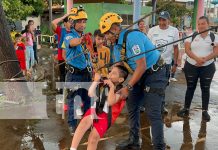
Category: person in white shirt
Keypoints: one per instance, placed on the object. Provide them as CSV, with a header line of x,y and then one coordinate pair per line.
x,y
163,34
201,51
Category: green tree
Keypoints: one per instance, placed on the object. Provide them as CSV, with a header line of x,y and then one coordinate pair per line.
x,y
177,11
38,5
16,10
20,9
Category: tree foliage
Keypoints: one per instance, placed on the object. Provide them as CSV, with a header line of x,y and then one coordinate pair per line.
x,y
177,11
20,9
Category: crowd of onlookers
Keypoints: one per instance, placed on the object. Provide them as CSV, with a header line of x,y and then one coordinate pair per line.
x,y
25,44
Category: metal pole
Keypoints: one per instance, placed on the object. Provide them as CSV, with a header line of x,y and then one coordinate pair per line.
x,y
194,16
50,14
65,6
136,11
154,4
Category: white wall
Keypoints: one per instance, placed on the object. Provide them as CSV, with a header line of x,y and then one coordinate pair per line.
x,y
37,21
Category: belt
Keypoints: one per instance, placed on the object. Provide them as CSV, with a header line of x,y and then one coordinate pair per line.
x,y
158,66
75,70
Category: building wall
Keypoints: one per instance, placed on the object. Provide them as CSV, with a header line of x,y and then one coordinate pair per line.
x,y
96,10
37,21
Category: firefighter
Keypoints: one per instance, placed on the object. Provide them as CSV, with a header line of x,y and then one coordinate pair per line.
x,y
78,68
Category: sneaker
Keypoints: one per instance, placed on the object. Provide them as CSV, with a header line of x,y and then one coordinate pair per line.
x,y
205,116
173,79
72,130
183,113
164,111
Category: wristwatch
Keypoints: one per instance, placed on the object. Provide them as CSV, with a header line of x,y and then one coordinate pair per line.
x,y
130,88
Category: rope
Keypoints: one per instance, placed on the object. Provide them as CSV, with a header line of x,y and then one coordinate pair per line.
x,y
13,77
1,63
182,39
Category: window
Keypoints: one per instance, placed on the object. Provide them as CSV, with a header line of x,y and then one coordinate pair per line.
x,y
127,19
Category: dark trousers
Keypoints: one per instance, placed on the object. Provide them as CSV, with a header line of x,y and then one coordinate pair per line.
x,y
62,70
192,73
35,51
168,71
152,102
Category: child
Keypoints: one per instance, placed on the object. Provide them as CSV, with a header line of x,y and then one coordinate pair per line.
x,y
103,54
20,52
28,37
105,116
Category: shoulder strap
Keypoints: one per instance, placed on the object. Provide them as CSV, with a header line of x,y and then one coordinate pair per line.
x,y
212,37
126,34
101,99
100,104
123,51
194,35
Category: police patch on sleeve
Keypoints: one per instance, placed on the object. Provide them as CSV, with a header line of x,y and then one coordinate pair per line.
x,y
136,49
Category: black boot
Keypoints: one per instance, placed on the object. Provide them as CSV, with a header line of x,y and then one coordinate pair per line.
x,y
183,113
130,144
205,116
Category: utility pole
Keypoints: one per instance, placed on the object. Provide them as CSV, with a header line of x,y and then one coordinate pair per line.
x,y
194,16
136,11
154,4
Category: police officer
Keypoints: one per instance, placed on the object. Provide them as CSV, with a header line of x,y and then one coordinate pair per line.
x,y
146,85
78,68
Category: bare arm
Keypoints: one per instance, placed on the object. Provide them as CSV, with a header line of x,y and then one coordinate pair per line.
x,y
213,55
56,21
92,89
75,42
112,96
140,69
176,55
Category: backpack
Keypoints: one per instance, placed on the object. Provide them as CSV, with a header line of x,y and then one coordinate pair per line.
x,y
212,36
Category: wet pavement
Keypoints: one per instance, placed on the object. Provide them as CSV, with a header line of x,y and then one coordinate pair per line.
x,y
184,134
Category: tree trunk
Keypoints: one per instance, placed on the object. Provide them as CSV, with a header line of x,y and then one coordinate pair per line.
x,y
7,52
9,63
